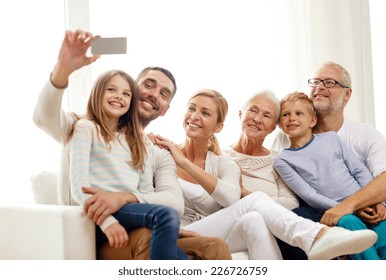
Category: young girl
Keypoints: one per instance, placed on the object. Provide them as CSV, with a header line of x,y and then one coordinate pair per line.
x,y
108,150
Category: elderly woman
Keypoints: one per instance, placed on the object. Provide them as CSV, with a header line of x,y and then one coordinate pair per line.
x,y
259,116
211,186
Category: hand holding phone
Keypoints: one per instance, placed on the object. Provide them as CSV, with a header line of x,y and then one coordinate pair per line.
x,y
114,45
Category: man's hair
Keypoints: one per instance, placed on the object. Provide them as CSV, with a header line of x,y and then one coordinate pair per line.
x,y
163,70
346,78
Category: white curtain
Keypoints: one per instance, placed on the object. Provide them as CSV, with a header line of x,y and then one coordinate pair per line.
x,y
339,31
236,47
291,39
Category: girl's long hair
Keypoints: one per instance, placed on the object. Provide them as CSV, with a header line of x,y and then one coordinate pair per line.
x,y
128,124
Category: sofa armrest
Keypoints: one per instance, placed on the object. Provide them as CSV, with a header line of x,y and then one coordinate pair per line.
x,y
33,231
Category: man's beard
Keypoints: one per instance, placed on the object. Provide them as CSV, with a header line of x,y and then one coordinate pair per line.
x,y
328,107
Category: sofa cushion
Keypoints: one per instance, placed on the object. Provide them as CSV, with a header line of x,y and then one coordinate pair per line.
x,y
44,188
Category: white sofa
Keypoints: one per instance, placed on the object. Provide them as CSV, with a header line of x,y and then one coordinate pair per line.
x,y
46,230
36,231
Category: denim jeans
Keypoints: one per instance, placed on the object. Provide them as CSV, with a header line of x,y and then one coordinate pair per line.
x,y
164,223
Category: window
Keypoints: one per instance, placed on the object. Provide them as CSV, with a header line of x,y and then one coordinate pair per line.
x,y
378,40
31,39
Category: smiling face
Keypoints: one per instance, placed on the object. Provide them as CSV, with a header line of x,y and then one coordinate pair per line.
x,y
201,119
330,100
155,94
258,118
296,118
116,98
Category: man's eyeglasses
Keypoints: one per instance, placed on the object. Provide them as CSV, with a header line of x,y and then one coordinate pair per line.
x,y
328,83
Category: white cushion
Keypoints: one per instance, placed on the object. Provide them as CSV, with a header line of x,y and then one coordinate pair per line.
x,y
243,255
44,188
36,231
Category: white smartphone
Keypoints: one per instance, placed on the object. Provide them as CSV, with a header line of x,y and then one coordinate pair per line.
x,y
114,45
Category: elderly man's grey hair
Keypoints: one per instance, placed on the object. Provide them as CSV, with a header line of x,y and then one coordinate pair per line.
x,y
346,78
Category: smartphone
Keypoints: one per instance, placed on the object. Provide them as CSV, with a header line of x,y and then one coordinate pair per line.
x,y
114,45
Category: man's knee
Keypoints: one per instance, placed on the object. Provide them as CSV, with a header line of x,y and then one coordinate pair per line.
x,y
138,248
205,248
217,249
351,222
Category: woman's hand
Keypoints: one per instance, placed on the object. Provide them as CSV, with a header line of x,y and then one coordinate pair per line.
x,y
152,137
174,149
244,192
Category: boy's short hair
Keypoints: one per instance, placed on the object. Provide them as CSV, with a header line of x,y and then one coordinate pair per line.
x,y
302,97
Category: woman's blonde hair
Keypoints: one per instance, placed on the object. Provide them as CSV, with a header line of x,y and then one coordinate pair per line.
x,y
222,111
128,124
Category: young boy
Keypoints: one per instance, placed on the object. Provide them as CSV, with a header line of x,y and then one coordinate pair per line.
x,y
323,171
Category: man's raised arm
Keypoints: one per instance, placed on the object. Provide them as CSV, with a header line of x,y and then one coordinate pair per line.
x,y
48,114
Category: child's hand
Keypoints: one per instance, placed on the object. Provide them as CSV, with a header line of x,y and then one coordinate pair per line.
x,y
372,214
367,214
117,236
381,211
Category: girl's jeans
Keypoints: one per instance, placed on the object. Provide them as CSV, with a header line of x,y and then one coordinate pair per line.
x,y
164,223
